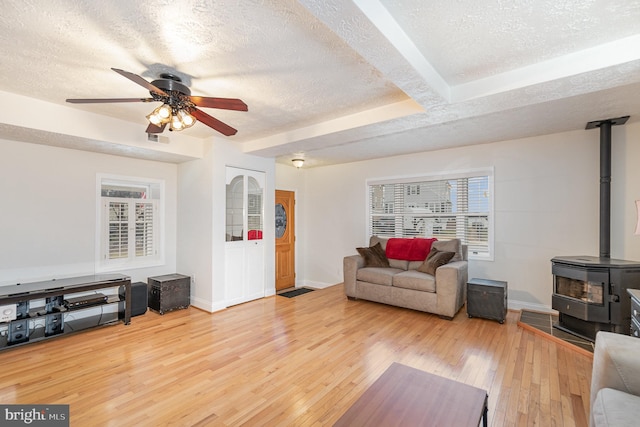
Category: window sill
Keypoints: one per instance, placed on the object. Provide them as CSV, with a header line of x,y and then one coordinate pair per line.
x,y
128,266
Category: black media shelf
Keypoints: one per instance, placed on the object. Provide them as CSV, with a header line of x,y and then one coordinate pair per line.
x,y
40,311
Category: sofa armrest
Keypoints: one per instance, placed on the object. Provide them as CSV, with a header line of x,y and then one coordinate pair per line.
x,y
351,264
451,287
615,364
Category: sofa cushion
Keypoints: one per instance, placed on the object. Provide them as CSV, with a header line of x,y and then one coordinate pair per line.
x,y
402,264
374,256
435,259
615,408
415,280
379,276
413,265
453,245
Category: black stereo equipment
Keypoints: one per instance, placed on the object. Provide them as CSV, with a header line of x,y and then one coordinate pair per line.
x,y
85,301
138,299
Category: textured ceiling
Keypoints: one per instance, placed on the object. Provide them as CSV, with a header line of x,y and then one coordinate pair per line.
x,y
332,81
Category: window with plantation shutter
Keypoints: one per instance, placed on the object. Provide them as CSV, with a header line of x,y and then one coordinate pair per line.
x,y
457,205
129,233
118,229
144,229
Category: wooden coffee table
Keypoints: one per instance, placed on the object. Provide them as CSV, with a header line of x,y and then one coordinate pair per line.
x,y
405,396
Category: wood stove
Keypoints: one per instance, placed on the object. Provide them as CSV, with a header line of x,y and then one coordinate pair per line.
x,y
590,293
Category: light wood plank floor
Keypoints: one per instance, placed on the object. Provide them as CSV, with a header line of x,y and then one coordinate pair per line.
x,y
290,362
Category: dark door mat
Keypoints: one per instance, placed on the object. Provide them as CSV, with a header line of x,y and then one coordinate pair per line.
x,y
295,292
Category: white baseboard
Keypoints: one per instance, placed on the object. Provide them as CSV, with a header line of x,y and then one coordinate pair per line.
x,y
206,305
315,285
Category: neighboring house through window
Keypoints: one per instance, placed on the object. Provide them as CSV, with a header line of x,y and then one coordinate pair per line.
x,y
454,205
130,218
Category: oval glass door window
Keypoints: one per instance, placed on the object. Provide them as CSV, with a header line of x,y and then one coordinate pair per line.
x,y
281,220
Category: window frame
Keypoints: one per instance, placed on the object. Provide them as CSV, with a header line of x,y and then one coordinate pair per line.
x,y
155,196
445,176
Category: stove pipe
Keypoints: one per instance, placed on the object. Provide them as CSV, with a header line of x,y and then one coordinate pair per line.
x,y
605,190
605,180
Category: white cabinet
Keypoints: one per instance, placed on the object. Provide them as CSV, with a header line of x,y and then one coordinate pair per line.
x,y
244,246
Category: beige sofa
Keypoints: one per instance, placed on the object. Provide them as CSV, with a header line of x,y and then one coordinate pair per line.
x,y
615,381
403,285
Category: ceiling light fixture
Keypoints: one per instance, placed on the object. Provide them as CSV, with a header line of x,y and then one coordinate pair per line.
x,y
176,107
176,115
298,163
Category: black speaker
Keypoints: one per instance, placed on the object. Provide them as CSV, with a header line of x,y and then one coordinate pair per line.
x,y
18,331
54,324
138,299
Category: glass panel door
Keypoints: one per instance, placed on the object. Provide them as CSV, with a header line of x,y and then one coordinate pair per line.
x,y
235,209
254,210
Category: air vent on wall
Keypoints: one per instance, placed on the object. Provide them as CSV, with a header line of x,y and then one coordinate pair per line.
x,y
154,137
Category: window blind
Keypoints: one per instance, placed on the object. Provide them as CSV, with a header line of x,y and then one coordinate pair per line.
x,y
144,229
455,207
118,239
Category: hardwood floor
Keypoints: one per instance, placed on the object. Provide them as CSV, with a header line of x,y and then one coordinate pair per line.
x,y
290,361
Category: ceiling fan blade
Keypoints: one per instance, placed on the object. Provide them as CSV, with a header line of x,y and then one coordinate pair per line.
x,y
222,103
139,80
213,123
100,100
155,129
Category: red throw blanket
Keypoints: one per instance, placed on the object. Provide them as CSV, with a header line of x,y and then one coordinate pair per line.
x,y
409,249
254,235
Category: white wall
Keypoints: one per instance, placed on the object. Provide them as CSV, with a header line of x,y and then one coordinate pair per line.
x,y
201,245
546,204
48,210
195,212
625,190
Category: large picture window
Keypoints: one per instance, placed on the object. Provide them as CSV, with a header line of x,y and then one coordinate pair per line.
x,y
130,232
458,205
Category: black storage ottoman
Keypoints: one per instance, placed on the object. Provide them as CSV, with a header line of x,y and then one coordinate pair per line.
x,y
169,292
487,299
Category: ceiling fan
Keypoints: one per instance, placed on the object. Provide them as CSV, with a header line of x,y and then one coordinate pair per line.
x,y
179,109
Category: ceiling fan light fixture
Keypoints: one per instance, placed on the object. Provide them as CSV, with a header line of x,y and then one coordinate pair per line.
x,y
298,163
164,111
154,118
187,119
176,123
160,115
178,106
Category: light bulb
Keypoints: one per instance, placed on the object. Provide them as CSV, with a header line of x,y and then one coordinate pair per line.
x,y
187,119
154,119
176,123
164,111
